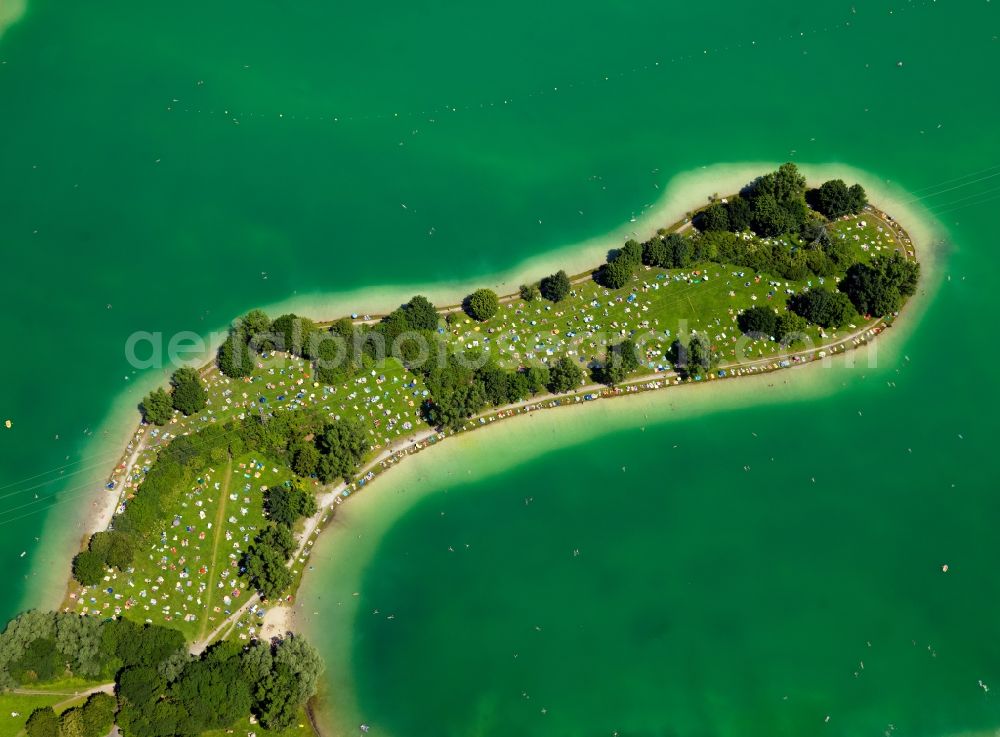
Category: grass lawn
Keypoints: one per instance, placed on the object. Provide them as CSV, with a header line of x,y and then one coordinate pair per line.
x,y
190,579
22,705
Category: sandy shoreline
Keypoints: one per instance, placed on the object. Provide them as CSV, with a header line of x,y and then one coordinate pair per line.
x,y
11,11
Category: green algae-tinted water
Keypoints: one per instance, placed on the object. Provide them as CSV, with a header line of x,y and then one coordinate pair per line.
x,y
164,158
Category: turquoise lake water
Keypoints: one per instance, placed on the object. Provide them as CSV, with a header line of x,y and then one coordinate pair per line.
x,y
164,167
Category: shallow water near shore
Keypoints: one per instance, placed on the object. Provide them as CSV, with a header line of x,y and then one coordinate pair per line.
x,y
168,166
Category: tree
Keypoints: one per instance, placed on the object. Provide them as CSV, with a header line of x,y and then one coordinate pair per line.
x,y
157,408
482,304
421,314
452,405
529,292
255,323
98,714
555,288
679,251
19,634
286,506
713,217
615,274
293,333
43,722
493,379
790,328
835,199
621,360
140,685
189,394
859,198
305,459
827,309
115,548
282,679
212,691
564,376
630,253
739,213
78,640
878,288
40,661
656,253
88,568
233,358
832,199
537,378
757,322
343,444
266,571
768,218
140,645
279,538
789,184
701,358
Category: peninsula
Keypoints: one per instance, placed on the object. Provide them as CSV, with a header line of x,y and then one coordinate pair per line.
x,y
171,624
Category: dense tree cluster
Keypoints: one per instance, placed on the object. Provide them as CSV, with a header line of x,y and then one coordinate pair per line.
x,y
529,292
465,383
162,691
835,199
42,646
93,718
878,288
482,304
824,308
556,287
771,205
673,251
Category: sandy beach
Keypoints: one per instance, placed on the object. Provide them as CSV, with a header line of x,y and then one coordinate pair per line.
x,y
11,11
277,621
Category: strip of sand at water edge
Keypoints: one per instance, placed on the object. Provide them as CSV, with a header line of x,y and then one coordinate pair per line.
x,y
11,11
